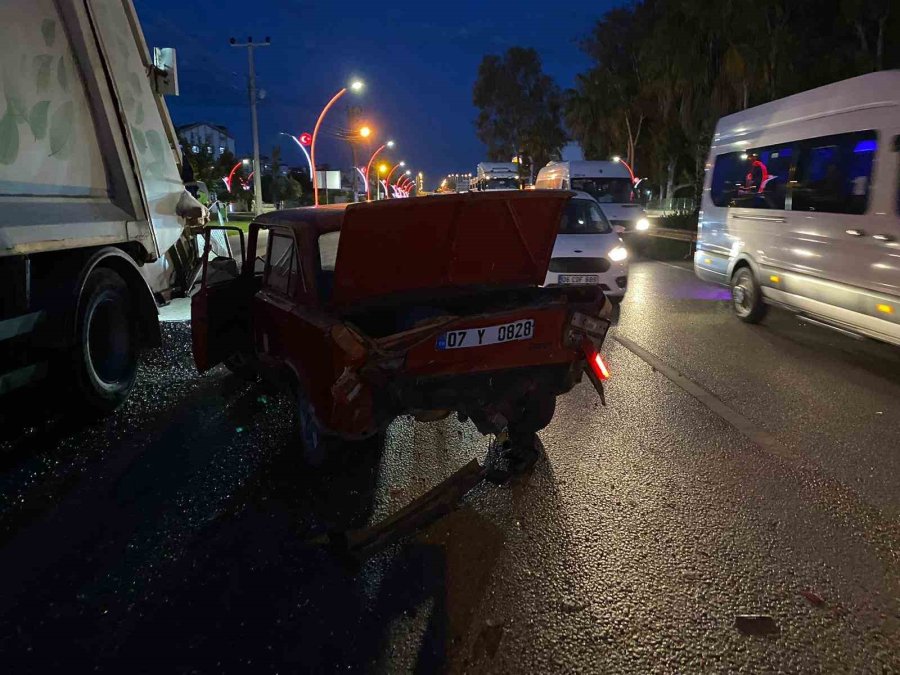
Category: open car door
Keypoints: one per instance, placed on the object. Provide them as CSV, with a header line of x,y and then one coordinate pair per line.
x,y
220,310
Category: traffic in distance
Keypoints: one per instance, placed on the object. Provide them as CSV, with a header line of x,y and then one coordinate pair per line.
x,y
322,416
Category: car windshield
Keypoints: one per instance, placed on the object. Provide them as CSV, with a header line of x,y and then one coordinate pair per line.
x,y
605,190
502,184
583,216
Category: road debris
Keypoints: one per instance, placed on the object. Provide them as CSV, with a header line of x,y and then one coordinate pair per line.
x,y
813,597
756,624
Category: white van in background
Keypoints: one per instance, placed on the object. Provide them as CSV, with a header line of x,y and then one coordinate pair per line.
x,y
801,206
607,182
495,176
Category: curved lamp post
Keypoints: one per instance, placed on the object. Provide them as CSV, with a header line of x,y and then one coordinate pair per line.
x,y
625,164
405,180
355,86
391,173
303,148
227,180
389,144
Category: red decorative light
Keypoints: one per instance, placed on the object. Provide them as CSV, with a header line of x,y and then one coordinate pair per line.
x,y
305,138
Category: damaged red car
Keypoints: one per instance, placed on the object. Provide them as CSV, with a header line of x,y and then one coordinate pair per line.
x,y
426,306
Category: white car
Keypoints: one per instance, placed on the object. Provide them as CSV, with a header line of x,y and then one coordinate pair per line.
x,y
588,250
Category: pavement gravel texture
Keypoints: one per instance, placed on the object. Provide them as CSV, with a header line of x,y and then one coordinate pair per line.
x,y
177,534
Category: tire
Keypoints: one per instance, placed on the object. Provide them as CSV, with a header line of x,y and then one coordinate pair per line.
x,y
106,343
313,440
537,413
746,297
241,367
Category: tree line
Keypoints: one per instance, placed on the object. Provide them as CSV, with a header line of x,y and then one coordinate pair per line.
x,y
276,187
664,71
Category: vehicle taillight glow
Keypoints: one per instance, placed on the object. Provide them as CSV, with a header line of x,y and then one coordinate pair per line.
x,y
598,365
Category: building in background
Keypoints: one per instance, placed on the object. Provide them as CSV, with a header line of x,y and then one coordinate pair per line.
x,y
420,182
209,135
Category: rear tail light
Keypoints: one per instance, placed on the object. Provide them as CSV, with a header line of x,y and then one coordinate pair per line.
x,y
596,368
599,367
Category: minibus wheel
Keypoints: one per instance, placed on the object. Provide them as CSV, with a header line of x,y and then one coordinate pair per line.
x,y
746,296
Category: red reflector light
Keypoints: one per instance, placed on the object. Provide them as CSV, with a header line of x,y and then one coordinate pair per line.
x,y
598,365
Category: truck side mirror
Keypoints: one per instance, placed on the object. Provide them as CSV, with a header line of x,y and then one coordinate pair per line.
x,y
164,77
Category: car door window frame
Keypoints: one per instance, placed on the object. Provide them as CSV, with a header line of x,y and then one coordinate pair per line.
x,y
296,281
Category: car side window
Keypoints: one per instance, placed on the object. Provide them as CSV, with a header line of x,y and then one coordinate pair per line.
x,y
283,272
834,173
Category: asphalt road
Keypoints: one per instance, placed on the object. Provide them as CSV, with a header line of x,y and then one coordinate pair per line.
x,y
753,472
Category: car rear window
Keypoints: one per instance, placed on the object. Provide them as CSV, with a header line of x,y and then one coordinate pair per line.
x,y
328,248
583,217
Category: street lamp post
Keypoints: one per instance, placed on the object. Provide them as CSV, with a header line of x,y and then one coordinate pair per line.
x,y
389,144
302,147
250,45
355,86
230,176
391,173
625,164
382,169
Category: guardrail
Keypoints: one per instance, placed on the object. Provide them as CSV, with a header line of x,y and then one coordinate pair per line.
x,y
673,205
670,233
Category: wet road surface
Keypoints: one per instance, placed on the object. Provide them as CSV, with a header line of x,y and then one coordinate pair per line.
x,y
175,535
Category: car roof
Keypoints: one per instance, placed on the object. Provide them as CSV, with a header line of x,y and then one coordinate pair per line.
x,y
319,219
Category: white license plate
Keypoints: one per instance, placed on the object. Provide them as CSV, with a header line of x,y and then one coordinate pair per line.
x,y
489,335
579,278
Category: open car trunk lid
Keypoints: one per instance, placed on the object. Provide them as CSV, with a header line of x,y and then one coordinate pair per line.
x,y
435,245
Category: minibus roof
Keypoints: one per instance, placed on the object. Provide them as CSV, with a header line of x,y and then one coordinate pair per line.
x,y
881,89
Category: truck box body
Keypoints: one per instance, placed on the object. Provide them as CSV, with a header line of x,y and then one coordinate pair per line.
x,y
89,174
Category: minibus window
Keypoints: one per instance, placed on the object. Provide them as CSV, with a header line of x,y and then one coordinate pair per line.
x,y
897,150
754,179
834,173
606,190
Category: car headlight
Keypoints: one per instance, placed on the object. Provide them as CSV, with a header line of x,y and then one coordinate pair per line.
x,y
618,254
642,225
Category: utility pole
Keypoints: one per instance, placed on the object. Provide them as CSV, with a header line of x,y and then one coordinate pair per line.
x,y
257,175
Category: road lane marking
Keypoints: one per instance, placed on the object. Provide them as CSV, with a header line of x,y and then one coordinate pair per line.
x,y
763,439
676,267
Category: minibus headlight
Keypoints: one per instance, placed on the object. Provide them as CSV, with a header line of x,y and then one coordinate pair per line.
x,y
642,225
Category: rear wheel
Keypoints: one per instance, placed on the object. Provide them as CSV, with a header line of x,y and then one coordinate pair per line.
x,y
538,410
240,365
314,442
106,342
746,296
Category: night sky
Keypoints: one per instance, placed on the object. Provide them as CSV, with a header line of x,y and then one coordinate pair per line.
x,y
418,60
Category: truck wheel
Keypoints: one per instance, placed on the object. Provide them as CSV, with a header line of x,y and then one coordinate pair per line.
x,y
746,296
537,413
241,367
313,440
106,342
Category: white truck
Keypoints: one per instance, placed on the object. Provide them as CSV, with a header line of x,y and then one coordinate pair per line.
x,y
95,223
496,176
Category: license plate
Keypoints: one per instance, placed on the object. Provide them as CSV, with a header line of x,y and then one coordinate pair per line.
x,y
579,278
522,329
